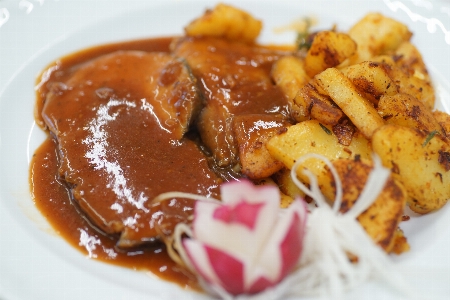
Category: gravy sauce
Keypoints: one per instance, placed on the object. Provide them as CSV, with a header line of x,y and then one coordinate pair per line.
x,y
55,172
54,198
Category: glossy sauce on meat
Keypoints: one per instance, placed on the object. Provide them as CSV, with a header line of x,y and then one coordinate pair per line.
x,y
110,141
119,121
52,199
235,79
73,166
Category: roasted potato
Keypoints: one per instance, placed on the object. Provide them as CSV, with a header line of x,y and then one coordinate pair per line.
x,y
375,35
382,218
409,83
405,110
371,79
419,161
286,184
289,74
328,49
314,137
358,109
226,21
252,132
444,120
409,58
314,105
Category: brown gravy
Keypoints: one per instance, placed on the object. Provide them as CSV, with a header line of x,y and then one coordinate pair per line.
x,y
62,68
52,197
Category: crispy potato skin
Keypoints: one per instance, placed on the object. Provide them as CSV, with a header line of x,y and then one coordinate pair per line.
x,y
227,22
314,105
314,137
421,165
358,109
328,49
375,35
443,119
289,74
382,218
405,110
252,133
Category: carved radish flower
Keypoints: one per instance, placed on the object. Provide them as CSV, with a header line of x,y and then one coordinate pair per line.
x,y
245,243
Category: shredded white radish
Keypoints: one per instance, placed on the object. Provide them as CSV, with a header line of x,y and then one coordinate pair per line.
x,y
332,239
171,195
325,268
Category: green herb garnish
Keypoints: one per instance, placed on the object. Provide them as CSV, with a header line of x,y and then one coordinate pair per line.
x,y
325,129
303,40
429,137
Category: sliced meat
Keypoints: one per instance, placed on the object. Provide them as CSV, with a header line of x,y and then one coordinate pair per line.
x,y
234,79
119,121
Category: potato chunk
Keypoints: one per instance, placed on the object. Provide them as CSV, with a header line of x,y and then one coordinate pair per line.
x,y
227,22
252,132
382,218
286,184
376,34
409,83
328,49
409,58
314,105
372,79
421,164
405,110
289,74
314,137
359,110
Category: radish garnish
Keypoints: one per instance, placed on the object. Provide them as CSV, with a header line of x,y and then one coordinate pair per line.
x,y
244,244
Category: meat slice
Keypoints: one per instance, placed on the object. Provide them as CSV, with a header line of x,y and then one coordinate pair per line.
x,y
119,121
234,78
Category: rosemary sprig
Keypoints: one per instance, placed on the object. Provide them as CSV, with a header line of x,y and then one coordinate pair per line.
x,y
325,129
429,137
303,41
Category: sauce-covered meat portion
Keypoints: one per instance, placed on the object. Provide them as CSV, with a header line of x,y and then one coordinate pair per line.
x,y
234,78
133,120
120,121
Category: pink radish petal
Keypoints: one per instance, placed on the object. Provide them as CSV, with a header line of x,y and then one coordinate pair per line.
x,y
243,213
291,247
260,285
245,244
228,269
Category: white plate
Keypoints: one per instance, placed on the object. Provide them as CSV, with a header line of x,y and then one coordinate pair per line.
x,y
37,264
